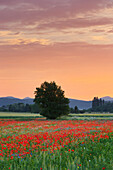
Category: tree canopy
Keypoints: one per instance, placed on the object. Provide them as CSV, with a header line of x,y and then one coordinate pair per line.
x,y
51,101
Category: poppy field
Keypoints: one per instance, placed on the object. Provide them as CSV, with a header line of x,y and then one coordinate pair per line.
x,y
56,145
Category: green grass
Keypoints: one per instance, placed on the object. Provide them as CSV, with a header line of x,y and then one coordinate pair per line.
x,y
89,116
92,114
19,116
85,116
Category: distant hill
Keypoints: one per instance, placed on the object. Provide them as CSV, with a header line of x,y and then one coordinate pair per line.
x,y
73,102
107,98
11,100
27,98
81,104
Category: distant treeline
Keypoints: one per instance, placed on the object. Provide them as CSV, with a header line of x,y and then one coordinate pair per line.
x,y
20,107
107,107
99,105
30,108
76,110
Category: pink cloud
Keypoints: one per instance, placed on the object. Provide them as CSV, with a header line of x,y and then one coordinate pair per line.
x,y
49,13
76,23
110,31
98,30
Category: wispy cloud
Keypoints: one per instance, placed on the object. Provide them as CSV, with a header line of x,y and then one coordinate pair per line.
x,y
48,12
51,21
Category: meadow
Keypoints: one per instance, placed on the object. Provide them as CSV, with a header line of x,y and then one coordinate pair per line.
x,y
56,144
20,116
85,116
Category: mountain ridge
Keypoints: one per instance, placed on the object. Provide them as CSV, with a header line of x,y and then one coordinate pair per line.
x,y
81,104
107,98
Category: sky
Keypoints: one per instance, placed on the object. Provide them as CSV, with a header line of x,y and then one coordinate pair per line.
x,y
66,41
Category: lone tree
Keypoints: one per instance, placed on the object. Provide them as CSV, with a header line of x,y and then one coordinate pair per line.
x,y
51,101
76,109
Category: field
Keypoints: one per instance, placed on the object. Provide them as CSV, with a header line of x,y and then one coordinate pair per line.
x,y
85,116
92,116
19,116
56,145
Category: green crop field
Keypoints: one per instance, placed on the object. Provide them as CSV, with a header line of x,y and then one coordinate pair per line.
x,y
88,116
91,116
17,114
12,115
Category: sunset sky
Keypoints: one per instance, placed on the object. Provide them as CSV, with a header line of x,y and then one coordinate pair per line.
x,y
66,41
